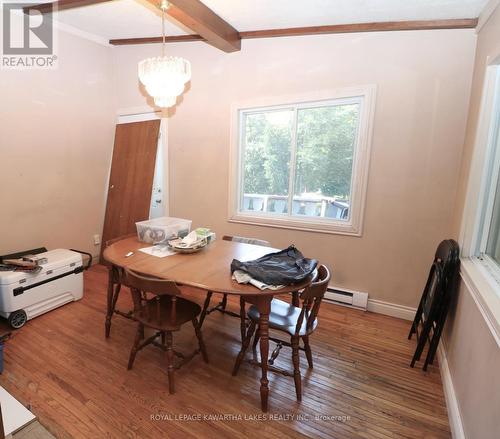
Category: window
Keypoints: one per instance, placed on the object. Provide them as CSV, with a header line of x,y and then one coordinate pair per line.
x,y
480,235
303,164
487,246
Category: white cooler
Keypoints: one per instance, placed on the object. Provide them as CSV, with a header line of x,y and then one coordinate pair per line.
x,y
24,296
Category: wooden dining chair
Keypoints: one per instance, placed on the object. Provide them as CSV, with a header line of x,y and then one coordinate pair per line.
x,y
164,313
298,322
221,306
115,275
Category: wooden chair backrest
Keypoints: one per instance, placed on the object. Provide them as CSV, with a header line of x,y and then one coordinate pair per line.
x,y
311,298
163,290
254,241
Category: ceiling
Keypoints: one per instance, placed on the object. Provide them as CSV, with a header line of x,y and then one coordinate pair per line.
x,y
138,18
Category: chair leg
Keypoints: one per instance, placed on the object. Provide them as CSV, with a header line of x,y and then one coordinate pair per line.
x,y
201,343
244,348
133,352
109,304
205,308
224,302
115,293
254,346
307,348
296,367
275,353
170,362
115,297
243,322
421,343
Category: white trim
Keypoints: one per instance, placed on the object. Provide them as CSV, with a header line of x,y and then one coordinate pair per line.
x,y
482,289
354,225
480,281
486,13
143,109
454,418
474,206
391,309
130,118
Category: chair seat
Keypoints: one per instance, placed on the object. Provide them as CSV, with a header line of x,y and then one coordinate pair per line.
x,y
185,312
283,317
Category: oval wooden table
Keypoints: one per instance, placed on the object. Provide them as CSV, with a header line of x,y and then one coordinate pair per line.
x,y
208,270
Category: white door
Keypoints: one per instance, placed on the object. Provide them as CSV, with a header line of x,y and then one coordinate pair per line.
x,y
159,197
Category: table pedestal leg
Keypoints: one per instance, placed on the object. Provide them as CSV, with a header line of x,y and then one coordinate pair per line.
x,y
264,307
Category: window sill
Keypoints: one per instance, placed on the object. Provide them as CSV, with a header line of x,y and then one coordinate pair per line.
x,y
485,291
331,227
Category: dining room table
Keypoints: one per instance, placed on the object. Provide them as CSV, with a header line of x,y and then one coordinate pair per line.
x,y
208,270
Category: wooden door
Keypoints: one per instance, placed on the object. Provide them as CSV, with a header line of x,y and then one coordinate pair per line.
x,y
131,178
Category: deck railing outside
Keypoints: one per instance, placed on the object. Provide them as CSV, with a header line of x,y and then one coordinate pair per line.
x,y
312,205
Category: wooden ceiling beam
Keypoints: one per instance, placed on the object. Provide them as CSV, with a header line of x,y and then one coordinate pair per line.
x,y
191,13
205,22
150,40
468,23
364,27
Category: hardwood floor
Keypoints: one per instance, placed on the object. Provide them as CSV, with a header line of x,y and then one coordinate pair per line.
x,y
78,385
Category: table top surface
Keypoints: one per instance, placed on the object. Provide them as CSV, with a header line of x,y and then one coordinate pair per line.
x,y
209,269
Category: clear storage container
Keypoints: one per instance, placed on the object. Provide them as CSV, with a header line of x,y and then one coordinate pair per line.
x,y
161,229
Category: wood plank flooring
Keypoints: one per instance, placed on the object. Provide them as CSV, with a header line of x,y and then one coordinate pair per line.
x,y
78,385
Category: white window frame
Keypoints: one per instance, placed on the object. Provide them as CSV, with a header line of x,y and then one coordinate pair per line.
x,y
361,160
480,273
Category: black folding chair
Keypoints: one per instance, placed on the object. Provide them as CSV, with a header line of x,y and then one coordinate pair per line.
x,y
433,308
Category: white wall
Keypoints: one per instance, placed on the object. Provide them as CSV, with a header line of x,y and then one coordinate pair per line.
x,y
472,352
56,138
423,80
474,362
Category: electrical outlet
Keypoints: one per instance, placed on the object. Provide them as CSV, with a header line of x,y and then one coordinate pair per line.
x,y
97,239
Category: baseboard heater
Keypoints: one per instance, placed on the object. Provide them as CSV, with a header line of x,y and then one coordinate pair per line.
x,y
350,298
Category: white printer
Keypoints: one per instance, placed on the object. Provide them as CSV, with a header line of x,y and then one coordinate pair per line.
x,y
24,296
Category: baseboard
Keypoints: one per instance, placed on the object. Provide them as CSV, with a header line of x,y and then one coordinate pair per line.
x,y
391,309
456,426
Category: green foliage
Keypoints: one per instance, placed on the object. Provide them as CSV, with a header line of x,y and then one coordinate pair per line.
x,y
325,145
324,154
267,152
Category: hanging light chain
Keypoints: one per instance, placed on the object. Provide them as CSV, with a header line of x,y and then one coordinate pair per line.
x,y
164,5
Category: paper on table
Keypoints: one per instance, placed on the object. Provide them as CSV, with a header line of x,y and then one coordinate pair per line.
x,y
160,251
244,278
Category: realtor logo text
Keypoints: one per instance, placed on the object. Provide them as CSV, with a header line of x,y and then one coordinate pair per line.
x,y
27,36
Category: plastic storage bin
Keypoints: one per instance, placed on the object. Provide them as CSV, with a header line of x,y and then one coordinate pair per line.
x,y
161,229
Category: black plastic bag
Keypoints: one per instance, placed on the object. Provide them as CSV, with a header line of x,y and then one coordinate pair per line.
x,y
285,267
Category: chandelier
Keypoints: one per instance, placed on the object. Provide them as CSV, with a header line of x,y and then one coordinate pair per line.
x,y
164,77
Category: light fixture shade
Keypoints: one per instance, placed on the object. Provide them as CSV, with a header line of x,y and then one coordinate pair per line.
x,y
164,78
